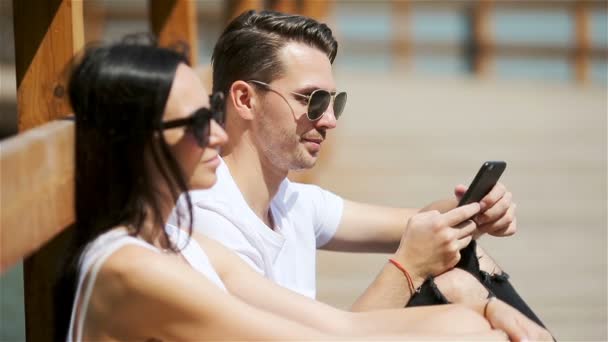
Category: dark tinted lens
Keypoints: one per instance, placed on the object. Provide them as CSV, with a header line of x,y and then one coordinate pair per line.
x,y
319,101
339,104
217,107
201,126
219,117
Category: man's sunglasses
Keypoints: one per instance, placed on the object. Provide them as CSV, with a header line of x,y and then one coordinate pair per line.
x,y
318,101
199,123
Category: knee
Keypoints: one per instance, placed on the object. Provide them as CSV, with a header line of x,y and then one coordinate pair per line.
x,y
458,286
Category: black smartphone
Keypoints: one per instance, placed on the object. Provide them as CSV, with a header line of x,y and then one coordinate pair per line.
x,y
484,181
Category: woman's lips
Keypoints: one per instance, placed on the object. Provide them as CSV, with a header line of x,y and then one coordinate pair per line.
x,y
215,160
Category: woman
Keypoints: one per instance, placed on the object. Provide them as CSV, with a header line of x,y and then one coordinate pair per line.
x,y
144,128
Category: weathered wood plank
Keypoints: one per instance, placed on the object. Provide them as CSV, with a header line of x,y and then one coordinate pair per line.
x,y
36,196
174,22
234,8
315,9
284,6
582,33
47,35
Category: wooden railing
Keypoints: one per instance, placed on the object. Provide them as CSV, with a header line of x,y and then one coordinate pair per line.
x,y
480,48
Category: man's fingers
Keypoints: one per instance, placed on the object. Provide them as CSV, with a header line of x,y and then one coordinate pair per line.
x,y
493,196
462,243
508,231
497,210
464,229
501,223
459,191
461,214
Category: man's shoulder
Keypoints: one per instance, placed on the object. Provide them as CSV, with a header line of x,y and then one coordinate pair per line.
x,y
290,191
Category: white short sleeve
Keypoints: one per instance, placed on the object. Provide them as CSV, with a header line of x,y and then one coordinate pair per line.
x,y
219,228
326,209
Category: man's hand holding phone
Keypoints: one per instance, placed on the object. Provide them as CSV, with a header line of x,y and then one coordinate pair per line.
x,y
432,241
497,210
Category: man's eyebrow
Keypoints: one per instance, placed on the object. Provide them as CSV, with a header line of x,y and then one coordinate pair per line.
x,y
307,90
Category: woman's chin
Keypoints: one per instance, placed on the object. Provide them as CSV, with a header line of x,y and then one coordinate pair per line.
x,y
204,180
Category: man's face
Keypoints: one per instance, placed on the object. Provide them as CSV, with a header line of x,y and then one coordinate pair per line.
x,y
283,133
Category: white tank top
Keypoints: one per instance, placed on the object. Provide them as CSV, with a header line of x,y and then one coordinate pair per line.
x,y
96,253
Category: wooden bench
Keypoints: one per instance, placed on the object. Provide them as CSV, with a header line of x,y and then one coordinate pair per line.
x,y
37,165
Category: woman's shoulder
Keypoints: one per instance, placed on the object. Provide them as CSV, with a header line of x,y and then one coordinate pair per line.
x,y
126,271
136,282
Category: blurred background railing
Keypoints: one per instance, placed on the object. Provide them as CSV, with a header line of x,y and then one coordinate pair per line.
x,y
481,37
551,40
448,84
548,40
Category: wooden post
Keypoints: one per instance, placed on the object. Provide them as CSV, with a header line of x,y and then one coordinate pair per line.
x,y
47,35
174,22
583,43
284,6
401,47
316,9
480,41
234,8
94,14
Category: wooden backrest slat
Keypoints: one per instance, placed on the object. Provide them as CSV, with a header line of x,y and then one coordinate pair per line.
x,y
174,21
37,193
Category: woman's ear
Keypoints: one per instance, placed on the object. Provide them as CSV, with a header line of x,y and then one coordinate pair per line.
x,y
242,99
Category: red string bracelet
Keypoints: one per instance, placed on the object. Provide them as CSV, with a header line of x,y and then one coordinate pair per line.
x,y
410,282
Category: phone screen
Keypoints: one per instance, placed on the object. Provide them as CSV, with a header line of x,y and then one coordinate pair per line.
x,y
484,181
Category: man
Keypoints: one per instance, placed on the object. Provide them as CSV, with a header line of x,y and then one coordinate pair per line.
x,y
281,101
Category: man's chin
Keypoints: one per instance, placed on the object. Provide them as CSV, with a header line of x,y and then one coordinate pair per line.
x,y
304,163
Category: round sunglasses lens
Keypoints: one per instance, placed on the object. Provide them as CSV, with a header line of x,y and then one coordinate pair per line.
x,y
339,104
319,101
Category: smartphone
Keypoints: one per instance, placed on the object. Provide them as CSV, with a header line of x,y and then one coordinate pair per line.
x,y
484,181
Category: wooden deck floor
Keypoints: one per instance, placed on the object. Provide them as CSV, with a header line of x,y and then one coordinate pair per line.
x,y
406,142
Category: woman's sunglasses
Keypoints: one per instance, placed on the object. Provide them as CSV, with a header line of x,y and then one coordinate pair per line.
x,y
317,102
199,123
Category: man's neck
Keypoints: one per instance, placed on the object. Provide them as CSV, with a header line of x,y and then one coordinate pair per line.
x,y
257,179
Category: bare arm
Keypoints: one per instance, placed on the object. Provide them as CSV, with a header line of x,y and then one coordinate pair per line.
x,y
370,228
379,229
417,323
141,294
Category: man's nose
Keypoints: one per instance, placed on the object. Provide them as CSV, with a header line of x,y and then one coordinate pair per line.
x,y
328,119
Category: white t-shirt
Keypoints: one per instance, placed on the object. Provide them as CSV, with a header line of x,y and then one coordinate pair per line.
x,y
305,216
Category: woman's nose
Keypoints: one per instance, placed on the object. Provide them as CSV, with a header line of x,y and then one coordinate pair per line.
x,y
217,136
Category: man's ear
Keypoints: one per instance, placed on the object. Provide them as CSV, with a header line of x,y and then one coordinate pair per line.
x,y
242,99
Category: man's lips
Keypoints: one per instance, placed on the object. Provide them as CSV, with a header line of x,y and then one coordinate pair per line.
x,y
314,140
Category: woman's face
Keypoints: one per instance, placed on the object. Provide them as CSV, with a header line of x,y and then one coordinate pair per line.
x,y
186,96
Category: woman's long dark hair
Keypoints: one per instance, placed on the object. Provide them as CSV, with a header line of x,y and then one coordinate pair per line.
x,y
118,93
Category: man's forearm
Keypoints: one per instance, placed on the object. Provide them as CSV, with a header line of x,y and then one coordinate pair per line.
x,y
370,229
